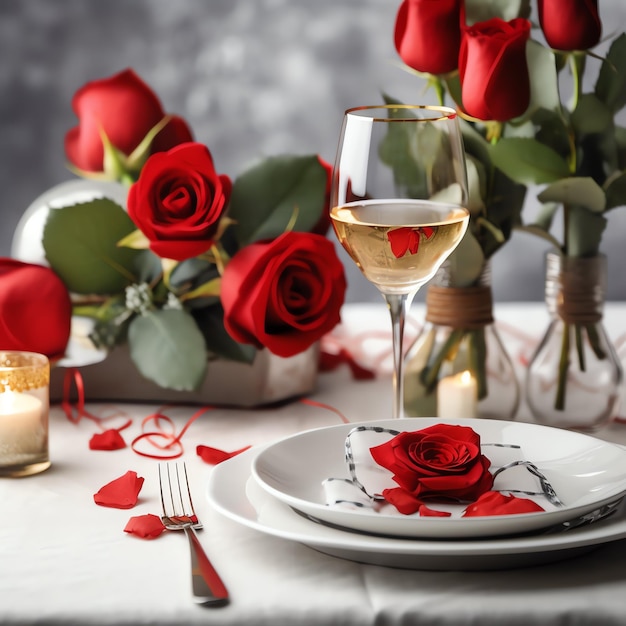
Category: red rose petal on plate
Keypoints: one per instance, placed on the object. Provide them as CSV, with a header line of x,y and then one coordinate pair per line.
x,y
425,511
496,503
121,493
213,456
403,500
147,526
108,440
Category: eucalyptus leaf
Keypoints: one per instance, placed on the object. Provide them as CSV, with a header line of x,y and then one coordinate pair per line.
x,y
616,192
168,349
465,264
266,197
147,266
585,230
578,190
475,143
545,217
544,82
219,343
80,242
476,182
611,84
591,115
528,161
481,10
538,231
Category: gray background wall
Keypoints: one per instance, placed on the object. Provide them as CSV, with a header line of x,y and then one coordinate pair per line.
x,y
253,78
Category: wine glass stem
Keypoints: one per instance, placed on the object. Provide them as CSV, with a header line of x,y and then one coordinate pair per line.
x,y
398,305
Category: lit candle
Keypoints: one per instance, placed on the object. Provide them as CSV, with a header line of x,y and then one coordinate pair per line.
x,y
22,426
24,403
457,396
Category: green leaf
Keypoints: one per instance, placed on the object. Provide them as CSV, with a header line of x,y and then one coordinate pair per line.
x,y
584,233
476,184
266,197
481,10
544,82
168,349
219,343
538,231
578,190
545,218
528,161
611,83
616,192
466,263
80,245
591,115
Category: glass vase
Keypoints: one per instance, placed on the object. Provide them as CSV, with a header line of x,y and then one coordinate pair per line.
x,y
573,379
458,365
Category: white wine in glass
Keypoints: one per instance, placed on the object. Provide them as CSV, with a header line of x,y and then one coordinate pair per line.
x,y
398,202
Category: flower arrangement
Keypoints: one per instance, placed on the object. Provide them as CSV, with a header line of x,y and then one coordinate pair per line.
x,y
197,266
521,127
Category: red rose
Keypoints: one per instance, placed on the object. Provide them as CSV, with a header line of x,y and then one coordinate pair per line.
x,y
178,201
126,109
283,294
570,24
496,503
442,461
428,34
35,309
493,69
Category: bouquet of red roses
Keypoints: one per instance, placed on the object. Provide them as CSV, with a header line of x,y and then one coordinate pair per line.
x,y
196,266
524,125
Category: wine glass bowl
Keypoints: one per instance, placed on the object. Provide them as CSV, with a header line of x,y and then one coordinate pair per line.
x,y
398,202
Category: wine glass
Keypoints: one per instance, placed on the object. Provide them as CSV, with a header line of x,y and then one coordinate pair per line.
x,y
398,202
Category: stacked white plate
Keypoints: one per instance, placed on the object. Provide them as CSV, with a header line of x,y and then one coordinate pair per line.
x,y
278,490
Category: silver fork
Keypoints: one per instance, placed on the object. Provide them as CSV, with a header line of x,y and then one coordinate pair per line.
x,y
179,514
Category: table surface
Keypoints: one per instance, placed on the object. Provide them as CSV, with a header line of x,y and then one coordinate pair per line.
x,y
65,560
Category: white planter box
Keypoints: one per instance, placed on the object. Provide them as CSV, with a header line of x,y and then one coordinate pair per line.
x,y
268,380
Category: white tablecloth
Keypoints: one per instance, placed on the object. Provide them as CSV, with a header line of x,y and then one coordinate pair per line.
x,y
65,560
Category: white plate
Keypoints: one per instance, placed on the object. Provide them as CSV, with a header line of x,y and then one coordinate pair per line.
x,y
585,472
230,480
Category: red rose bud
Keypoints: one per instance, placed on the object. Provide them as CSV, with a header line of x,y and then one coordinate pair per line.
x,y
125,109
570,24
35,309
493,70
439,462
428,34
283,294
496,503
178,201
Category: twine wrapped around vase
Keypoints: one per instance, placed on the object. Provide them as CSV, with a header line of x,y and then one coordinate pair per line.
x,y
573,378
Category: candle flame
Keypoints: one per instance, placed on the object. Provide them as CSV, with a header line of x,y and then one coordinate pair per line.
x,y
466,377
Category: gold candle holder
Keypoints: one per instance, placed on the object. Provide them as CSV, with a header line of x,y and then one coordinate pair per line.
x,y
24,408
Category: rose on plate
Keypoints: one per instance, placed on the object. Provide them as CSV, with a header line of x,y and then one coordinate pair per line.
x,y
443,463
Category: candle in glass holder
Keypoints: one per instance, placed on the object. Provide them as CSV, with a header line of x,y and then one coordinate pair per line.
x,y
457,396
24,405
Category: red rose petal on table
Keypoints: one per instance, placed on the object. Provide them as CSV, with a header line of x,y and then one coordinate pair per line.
x,y
147,526
121,493
107,440
213,456
425,511
496,503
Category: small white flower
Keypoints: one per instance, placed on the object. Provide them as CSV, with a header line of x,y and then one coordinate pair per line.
x,y
172,302
139,298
